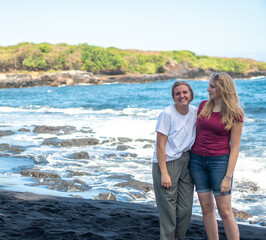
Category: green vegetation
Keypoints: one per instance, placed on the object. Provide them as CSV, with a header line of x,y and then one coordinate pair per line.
x,y
57,57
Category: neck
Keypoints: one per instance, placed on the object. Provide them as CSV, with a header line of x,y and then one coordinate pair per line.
x,y
183,110
217,106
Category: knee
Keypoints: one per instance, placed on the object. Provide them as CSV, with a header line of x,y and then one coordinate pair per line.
x,y
225,213
207,209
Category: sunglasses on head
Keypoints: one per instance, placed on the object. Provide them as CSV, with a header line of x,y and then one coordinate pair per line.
x,y
216,76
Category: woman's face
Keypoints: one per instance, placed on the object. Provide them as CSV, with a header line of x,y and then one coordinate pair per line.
x,y
212,90
182,95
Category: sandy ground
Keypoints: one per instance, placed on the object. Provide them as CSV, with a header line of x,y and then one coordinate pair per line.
x,y
31,216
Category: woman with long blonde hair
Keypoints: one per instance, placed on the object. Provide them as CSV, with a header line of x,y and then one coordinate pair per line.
x,y
215,152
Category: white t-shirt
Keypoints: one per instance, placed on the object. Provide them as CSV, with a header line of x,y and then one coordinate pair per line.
x,y
180,129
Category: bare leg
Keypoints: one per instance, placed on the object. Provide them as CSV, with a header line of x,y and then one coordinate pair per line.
x,y
225,210
209,219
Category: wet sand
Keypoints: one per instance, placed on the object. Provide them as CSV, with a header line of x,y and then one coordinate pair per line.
x,y
31,216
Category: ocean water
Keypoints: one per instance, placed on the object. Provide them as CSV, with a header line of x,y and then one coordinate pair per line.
x,y
111,112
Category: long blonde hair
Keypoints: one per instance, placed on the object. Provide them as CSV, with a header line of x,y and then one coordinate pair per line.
x,y
230,105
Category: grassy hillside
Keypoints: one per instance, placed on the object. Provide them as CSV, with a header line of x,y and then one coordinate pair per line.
x,y
42,57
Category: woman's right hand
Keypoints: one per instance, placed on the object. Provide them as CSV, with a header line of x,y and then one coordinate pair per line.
x,y
166,181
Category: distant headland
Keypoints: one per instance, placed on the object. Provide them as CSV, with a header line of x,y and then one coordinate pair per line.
x,y
29,64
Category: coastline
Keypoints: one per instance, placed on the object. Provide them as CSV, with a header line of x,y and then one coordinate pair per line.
x,y
31,216
72,77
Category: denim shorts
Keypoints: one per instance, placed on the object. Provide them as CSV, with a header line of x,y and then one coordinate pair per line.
x,y
208,172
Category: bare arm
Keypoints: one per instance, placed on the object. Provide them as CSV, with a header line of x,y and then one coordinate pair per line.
x,y
161,157
235,143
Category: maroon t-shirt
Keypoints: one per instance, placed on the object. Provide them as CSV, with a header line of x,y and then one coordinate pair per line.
x,y
211,139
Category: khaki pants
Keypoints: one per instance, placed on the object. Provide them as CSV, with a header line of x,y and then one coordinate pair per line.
x,y
174,204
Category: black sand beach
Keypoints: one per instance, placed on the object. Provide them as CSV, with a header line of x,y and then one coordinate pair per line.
x,y
31,216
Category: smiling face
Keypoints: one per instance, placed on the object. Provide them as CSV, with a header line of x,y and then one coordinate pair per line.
x,y
182,95
212,90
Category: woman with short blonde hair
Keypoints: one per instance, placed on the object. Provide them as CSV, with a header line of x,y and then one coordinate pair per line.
x,y
173,186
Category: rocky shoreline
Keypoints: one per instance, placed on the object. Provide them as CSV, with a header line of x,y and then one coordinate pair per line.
x,y
72,180
11,80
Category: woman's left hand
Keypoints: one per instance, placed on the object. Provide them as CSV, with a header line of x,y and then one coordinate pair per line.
x,y
225,185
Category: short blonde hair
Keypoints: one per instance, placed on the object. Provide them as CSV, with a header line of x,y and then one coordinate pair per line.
x,y
179,83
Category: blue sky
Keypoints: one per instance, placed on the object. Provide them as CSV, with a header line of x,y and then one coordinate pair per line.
x,y
223,28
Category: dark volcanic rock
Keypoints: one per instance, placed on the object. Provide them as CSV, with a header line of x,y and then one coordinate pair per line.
x,y
109,155
124,140
173,70
137,195
126,154
80,182
18,81
105,196
80,155
54,181
26,215
37,174
73,174
148,146
24,130
247,186
146,187
136,78
126,176
69,78
145,140
64,186
86,130
48,79
4,133
241,214
108,140
54,130
7,148
71,142
122,147
40,159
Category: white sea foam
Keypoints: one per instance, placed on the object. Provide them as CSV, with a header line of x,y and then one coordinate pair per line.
x,y
251,169
258,77
80,111
249,120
